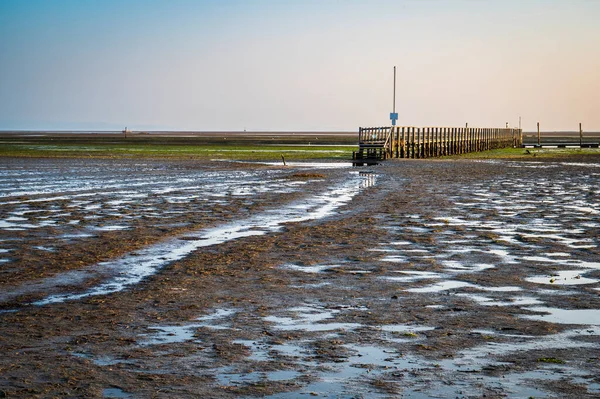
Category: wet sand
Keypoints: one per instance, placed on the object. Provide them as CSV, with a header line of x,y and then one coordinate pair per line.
x,y
412,279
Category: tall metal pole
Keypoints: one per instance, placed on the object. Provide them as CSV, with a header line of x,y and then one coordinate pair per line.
x,y
394,104
393,114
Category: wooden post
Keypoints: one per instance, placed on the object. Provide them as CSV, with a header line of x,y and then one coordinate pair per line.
x,y
454,140
469,139
538,130
415,142
403,144
444,141
419,142
428,144
580,136
411,144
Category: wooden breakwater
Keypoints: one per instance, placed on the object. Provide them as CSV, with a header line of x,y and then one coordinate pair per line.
x,y
378,143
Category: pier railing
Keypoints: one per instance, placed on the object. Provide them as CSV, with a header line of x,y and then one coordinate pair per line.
x,y
425,142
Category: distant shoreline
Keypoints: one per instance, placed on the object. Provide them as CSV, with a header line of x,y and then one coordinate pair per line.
x,y
221,133
175,133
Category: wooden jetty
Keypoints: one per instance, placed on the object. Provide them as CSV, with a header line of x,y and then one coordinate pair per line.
x,y
379,143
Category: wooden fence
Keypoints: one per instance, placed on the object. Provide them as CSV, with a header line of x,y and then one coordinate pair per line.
x,y
425,142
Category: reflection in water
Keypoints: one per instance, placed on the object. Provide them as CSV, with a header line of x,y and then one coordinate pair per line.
x,y
134,267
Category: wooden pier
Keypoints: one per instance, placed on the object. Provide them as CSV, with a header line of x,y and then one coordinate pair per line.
x,y
379,143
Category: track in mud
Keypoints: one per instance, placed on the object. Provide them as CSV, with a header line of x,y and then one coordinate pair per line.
x,y
422,279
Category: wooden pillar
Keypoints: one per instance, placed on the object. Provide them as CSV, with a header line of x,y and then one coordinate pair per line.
x,y
415,142
424,149
411,143
469,139
455,134
520,137
418,144
396,135
402,144
423,142
428,144
484,139
444,141
420,130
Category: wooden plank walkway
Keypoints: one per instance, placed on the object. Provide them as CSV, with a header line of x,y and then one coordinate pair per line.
x,y
379,143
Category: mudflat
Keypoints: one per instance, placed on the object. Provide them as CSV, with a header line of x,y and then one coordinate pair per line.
x,y
412,279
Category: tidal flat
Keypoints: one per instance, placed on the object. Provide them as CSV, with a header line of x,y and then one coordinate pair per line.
x,y
185,278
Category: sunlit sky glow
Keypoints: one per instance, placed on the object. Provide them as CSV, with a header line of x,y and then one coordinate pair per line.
x,y
298,64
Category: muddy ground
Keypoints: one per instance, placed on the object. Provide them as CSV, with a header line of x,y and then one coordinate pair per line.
x,y
410,279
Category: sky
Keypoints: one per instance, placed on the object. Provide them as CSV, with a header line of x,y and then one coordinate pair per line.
x,y
304,65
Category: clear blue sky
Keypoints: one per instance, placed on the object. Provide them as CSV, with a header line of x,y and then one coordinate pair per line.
x,y
297,64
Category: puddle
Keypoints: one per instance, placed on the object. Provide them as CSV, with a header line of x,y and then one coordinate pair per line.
x,y
99,360
135,267
565,316
516,301
309,269
563,277
413,276
16,226
348,379
454,284
458,267
177,334
112,228
311,165
115,393
395,259
404,328
309,319
225,377
443,286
